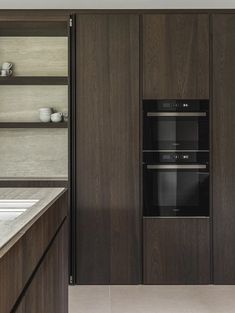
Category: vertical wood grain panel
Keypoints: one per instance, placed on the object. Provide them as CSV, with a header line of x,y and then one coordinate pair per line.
x,y
18,264
124,164
108,149
93,156
48,291
224,147
176,56
176,251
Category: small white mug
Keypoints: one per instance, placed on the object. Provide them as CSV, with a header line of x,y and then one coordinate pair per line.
x,y
56,117
6,66
5,72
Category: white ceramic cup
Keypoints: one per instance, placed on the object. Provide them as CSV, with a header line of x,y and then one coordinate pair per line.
x,y
5,72
65,117
6,66
56,117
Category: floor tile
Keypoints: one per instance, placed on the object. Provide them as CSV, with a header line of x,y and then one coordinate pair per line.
x,y
152,299
89,299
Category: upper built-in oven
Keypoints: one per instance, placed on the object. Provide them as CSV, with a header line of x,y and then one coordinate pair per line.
x,y
176,125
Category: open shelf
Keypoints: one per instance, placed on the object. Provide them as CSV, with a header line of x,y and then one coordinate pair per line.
x,y
34,80
33,125
38,50
33,182
33,28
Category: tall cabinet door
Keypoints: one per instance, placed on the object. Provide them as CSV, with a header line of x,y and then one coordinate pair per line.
x,y
224,147
176,56
107,149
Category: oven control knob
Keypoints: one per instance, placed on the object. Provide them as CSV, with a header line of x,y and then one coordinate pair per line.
x,y
185,156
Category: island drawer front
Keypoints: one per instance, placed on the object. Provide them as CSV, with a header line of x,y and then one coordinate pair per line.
x,y
18,264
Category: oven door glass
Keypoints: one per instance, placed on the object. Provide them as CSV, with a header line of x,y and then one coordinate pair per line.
x,y
176,133
176,192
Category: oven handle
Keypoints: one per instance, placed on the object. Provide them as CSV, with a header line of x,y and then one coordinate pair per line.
x,y
176,166
166,114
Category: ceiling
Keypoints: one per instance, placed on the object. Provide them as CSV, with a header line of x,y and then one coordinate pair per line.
x,y
117,4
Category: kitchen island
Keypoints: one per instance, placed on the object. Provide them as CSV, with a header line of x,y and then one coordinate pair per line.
x,y
33,250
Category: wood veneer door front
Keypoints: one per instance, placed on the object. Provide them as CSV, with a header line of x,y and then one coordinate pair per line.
x,y
224,147
107,149
176,56
48,290
176,251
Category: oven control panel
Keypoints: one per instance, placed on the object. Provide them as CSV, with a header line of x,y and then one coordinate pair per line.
x,y
172,157
170,105
174,105
176,157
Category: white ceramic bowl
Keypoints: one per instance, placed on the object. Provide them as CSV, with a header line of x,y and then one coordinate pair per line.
x,y
56,117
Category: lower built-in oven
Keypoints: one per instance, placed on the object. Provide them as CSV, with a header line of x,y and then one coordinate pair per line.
x,y
176,184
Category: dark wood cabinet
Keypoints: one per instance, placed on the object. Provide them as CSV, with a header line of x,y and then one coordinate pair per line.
x,y
34,271
224,147
176,251
46,292
176,56
107,149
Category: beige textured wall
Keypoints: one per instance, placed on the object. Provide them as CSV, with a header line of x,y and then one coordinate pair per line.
x,y
21,103
34,153
36,56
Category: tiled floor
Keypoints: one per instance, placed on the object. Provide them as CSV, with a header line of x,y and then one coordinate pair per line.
x,y
152,299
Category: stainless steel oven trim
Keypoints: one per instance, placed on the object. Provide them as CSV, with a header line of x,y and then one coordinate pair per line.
x,y
176,150
178,217
176,166
166,114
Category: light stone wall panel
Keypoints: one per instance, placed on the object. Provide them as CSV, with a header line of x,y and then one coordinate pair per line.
x,y
33,153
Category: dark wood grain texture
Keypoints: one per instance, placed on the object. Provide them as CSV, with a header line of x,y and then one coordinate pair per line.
x,y
34,15
108,206
47,291
175,56
33,28
18,264
63,14
34,80
33,125
10,182
224,148
176,251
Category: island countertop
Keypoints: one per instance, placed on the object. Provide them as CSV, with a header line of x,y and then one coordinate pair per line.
x,y
12,229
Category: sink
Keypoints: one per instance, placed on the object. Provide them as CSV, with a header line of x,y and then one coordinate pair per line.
x,y
11,209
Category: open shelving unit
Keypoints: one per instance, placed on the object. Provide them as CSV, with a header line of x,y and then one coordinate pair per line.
x,y
34,80
39,53
33,125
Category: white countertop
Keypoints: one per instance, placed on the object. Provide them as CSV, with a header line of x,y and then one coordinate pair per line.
x,y
12,230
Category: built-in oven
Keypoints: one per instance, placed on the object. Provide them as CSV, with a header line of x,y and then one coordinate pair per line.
x,y
176,184
175,125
